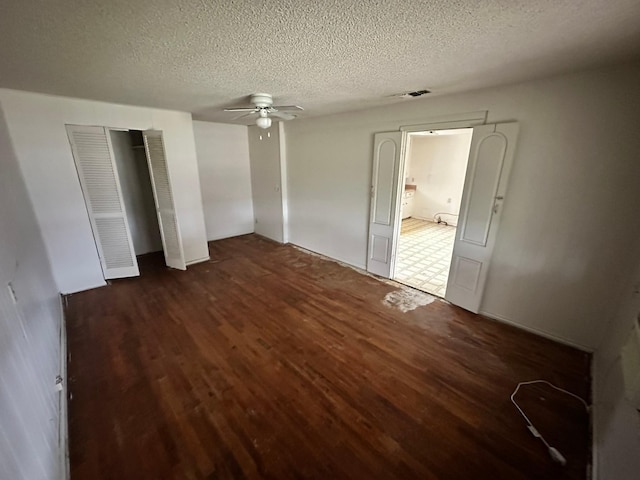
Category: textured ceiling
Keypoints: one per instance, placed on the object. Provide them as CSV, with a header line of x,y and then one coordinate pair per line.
x,y
328,56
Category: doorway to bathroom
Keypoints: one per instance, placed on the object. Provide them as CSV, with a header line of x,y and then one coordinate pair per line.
x,y
435,164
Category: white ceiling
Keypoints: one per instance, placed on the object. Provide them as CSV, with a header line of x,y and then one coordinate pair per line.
x,y
328,56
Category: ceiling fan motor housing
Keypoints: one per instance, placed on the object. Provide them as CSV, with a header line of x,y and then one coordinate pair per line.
x,y
262,100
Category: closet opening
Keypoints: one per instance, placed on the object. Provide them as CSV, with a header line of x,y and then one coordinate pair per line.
x,y
137,193
435,164
126,186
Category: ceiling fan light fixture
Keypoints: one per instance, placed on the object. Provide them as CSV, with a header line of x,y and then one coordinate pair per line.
x,y
263,122
263,107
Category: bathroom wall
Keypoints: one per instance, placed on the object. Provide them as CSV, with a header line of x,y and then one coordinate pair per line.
x,y
437,166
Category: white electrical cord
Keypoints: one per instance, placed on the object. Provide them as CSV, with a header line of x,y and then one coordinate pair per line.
x,y
555,454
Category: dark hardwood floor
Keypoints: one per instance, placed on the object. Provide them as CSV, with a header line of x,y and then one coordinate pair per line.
x,y
268,362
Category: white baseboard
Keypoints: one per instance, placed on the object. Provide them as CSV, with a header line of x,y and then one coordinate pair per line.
x,y
538,332
63,417
347,263
87,287
198,260
237,233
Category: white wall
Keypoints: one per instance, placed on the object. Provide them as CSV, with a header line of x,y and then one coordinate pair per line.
x,y
616,421
266,182
37,128
137,193
571,212
437,166
29,335
225,178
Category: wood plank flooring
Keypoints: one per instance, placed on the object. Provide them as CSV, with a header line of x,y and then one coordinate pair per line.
x,y
268,362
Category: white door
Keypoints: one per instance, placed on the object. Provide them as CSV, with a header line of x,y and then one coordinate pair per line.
x,y
485,185
163,196
98,176
384,197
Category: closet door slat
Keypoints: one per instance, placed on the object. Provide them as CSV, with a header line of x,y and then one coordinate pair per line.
x,y
98,176
163,196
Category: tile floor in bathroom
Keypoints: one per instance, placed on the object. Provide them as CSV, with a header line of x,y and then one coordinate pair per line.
x,y
424,255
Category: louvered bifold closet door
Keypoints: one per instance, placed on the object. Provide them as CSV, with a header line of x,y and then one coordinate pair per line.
x,y
98,176
163,196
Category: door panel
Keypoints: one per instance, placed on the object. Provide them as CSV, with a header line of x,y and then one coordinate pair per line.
x,y
467,273
380,248
490,159
484,187
383,183
100,184
384,191
163,196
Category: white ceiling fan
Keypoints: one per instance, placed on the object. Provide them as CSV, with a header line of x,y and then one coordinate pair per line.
x,y
265,109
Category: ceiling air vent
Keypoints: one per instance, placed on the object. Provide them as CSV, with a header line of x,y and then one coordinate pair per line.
x,y
417,93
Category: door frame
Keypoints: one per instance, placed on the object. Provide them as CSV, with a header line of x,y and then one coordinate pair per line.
x,y
444,122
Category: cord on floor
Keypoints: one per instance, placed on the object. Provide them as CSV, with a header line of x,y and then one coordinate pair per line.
x,y
555,454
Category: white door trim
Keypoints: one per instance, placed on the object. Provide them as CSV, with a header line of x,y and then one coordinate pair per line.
x,y
395,238
439,122
444,122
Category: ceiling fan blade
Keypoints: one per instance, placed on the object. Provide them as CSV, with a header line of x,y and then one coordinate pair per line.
x,y
243,115
282,115
240,109
287,107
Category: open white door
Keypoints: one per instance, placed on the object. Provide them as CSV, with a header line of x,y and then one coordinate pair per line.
x,y
384,197
485,185
98,176
165,208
